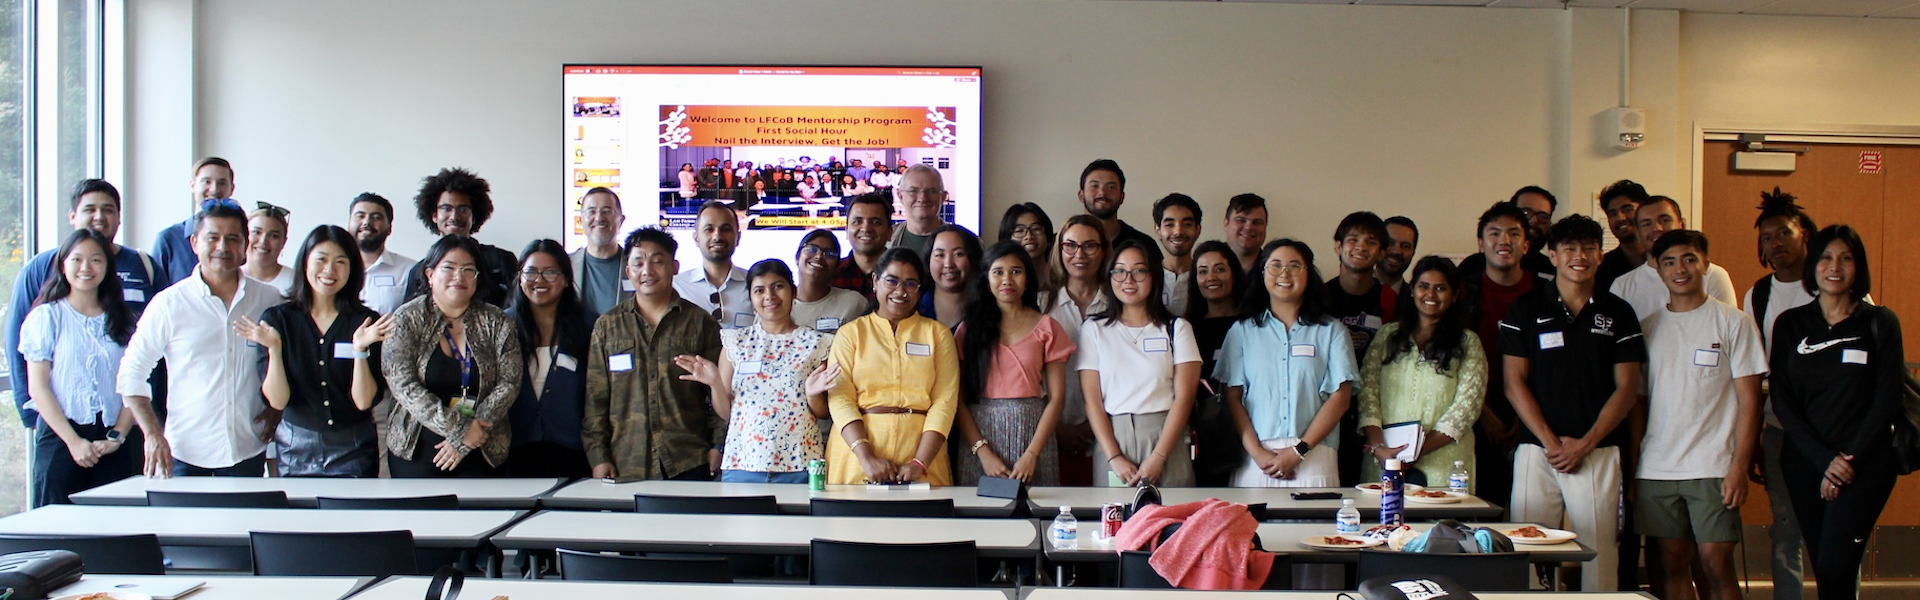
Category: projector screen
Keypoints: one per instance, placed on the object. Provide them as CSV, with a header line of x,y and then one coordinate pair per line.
x,y
778,143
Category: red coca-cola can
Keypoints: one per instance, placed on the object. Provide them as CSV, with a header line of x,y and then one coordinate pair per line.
x,y
1111,516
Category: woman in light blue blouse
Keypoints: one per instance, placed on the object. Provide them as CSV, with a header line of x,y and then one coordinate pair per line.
x,y
73,340
1289,369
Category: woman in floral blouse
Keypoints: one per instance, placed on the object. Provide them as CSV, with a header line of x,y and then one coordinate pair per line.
x,y
770,383
1427,367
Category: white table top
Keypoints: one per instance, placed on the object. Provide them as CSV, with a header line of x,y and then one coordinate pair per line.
x,y
245,588
755,534
593,494
1086,502
414,588
301,491
229,526
1079,593
1284,538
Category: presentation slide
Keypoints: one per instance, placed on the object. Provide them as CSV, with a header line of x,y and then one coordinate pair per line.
x,y
788,147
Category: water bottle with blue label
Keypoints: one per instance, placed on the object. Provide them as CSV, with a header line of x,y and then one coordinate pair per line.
x,y
1347,522
1065,531
1457,481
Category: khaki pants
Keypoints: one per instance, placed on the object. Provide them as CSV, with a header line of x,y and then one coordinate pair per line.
x,y
1586,501
1137,436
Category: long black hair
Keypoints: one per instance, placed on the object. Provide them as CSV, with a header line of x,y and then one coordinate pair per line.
x,y
1810,272
1156,275
348,300
968,242
113,302
570,334
983,315
1196,302
1444,347
1256,303
438,252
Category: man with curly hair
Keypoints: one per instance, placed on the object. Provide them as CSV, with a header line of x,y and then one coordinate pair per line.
x,y
457,202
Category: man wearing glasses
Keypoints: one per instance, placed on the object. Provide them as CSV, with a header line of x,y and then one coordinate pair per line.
x,y
717,286
922,194
455,201
596,268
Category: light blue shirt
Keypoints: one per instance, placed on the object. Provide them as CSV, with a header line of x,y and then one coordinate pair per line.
x,y
1286,375
84,360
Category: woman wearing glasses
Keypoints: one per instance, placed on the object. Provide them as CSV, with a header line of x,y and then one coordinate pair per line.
x,y
1077,280
816,303
453,364
554,327
1138,369
1026,224
318,364
899,385
1289,369
266,237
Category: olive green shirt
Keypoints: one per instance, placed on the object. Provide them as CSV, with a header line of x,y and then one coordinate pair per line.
x,y
640,415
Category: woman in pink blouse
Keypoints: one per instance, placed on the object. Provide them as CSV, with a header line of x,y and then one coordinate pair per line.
x,y
1013,366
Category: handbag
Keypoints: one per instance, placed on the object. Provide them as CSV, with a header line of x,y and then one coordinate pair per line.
x,y
1906,427
35,574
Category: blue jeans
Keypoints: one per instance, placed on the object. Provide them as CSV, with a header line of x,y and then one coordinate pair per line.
x,y
733,476
252,467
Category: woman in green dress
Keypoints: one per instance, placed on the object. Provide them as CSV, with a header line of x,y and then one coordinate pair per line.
x,y
1426,366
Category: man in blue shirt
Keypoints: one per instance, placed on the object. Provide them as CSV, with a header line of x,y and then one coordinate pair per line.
x,y
212,180
95,205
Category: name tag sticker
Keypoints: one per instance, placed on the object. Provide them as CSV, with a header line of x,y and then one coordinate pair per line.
x,y
1552,339
1706,358
343,350
827,324
751,367
383,280
1372,322
1155,344
919,349
133,295
1307,350
742,319
620,362
626,285
1853,357
1216,354
566,362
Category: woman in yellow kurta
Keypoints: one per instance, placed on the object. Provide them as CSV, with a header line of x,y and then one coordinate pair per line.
x,y
899,386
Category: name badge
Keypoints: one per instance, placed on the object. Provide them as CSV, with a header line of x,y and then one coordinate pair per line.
x,y
565,362
343,350
1552,339
1706,358
751,367
1155,344
919,349
827,324
742,319
620,362
1216,354
1853,357
133,295
626,285
383,280
1372,322
1306,350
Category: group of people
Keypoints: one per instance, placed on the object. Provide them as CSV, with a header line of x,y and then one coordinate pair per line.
x,y
1094,353
803,179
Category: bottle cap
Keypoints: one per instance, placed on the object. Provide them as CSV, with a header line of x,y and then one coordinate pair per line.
x,y
1346,502
1393,464
1066,509
1459,463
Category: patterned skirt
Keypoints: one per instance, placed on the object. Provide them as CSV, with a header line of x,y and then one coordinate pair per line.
x,y
1008,425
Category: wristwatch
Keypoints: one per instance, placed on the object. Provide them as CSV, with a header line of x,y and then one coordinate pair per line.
x,y
113,435
1302,448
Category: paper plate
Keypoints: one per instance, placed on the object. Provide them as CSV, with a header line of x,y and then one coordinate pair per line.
x,y
1320,541
1554,536
1449,498
1374,488
100,595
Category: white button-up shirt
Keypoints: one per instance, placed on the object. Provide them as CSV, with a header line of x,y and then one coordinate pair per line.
x,y
385,288
736,304
213,377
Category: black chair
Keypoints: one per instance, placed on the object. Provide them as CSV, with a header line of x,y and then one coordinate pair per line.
x,y
936,507
706,505
1492,572
120,555
588,566
945,564
1135,573
445,502
273,499
337,554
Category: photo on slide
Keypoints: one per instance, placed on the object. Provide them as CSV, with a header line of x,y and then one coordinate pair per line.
x,y
794,167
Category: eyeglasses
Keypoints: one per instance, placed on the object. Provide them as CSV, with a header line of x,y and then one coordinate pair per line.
x,y
464,209
714,299
922,192
272,211
908,284
1130,275
541,274
1073,248
813,249
1283,269
1027,230
461,272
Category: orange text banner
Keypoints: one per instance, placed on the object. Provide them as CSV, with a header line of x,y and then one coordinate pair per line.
x,y
844,126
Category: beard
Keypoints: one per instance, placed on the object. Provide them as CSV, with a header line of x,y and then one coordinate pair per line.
x,y
370,243
1101,214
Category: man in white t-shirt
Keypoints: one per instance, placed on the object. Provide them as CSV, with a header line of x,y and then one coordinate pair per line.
x,y
1785,229
1704,366
1642,287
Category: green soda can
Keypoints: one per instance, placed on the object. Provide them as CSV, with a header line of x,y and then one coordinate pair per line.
x,y
816,474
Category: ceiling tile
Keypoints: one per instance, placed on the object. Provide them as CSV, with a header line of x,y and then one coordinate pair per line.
x,y
1830,8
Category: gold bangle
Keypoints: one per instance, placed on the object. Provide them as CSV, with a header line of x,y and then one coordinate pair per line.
x,y
858,442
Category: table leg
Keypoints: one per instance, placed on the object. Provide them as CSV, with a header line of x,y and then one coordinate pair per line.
x,y
1060,575
496,560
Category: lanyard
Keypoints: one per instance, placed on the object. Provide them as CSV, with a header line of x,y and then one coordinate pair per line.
x,y
466,361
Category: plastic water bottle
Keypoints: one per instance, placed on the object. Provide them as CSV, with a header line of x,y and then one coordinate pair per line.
x,y
1065,531
1347,522
1393,495
1457,481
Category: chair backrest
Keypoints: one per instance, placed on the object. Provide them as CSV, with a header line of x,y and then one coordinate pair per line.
x,y
1136,573
120,555
588,566
337,554
945,564
706,505
1489,572
444,502
272,499
934,507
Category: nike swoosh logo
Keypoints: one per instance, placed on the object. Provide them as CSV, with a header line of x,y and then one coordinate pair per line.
x,y
1543,320
1805,349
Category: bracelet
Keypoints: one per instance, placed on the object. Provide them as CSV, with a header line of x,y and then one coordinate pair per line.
x,y
923,466
1110,458
858,442
976,446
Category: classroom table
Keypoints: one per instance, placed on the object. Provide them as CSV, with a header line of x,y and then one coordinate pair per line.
x,y
594,494
1045,502
1088,593
415,588
240,587
509,494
